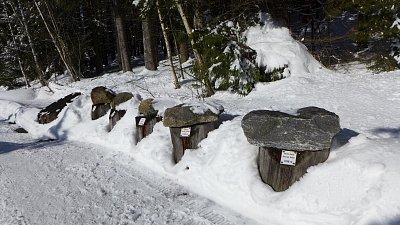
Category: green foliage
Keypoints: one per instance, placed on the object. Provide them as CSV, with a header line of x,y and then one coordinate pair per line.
x,y
376,27
228,63
382,63
8,76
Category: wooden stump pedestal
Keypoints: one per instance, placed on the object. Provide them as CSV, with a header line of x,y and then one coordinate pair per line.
x,y
99,110
182,142
144,126
115,116
280,177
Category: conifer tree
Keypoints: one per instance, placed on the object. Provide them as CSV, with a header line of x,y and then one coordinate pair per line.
x,y
378,27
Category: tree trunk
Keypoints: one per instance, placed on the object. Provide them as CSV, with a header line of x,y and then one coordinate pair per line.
x,y
39,70
58,42
167,45
196,52
15,44
97,42
23,72
189,31
149,45
124,55
183,51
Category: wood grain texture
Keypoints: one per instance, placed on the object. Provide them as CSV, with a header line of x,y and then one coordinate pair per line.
x,y
281,177
198,133
147,128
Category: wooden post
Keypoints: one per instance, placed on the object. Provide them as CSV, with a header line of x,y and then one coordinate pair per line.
x,y
144,126
182,142
115,116
280,176
100,110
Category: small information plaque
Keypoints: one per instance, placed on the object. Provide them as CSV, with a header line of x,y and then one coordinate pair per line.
x,y
288,158
185,132
142,121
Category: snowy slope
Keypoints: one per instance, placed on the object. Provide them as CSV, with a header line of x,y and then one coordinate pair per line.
x,y
358,184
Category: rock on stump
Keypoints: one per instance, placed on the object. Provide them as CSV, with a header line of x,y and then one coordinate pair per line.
x,y
189,124
101,98
290,144
51,112
146,120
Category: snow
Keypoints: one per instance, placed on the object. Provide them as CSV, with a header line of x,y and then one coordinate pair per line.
x,y
358,184
201,107
277,49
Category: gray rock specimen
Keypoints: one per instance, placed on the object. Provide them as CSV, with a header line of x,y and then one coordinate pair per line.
x,y
102,95
312,129
51,111
184,115
121,98
146,108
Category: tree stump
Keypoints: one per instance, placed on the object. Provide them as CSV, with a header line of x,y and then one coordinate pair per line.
x,y
115,116
190,123
188,139
100,110
290,144
144,126
281,174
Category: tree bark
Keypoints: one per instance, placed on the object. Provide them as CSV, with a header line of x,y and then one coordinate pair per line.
x,y
58,42
183,51
124,55
189,31
196,52
39,70
149,45
167,45
15,43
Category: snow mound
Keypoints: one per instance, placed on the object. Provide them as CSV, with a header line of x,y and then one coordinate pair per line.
x,y
276,48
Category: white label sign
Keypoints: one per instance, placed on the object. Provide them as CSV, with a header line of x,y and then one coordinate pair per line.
x,y
185,132
142,121
288,158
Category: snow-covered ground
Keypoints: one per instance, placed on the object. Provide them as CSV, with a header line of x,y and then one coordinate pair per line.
x,y
358,184
74,183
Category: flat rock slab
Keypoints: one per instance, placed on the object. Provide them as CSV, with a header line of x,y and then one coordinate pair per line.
x,y
121,98
51,111
191,114
312,129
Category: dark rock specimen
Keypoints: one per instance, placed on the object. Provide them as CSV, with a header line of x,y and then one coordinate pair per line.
x,y
51,112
